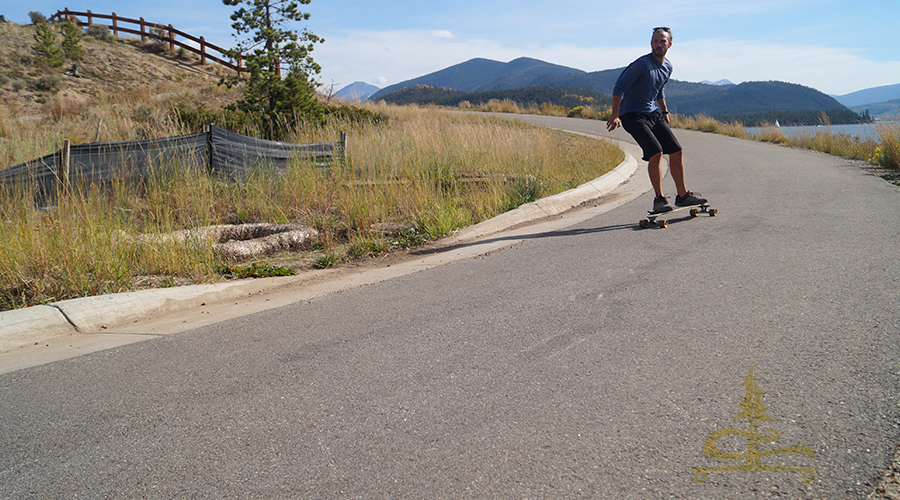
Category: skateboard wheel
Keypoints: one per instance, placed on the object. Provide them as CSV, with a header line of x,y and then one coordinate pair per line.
x,y
663,224
713,212
644,223
694,212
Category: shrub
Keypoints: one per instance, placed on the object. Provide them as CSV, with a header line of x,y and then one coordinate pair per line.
x,y
101,33
574,113
48,83
37,18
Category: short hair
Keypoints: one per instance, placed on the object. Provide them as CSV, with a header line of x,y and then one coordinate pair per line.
x,y
665,30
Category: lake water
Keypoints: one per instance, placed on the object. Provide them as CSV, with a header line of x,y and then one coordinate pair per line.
x,y
866,131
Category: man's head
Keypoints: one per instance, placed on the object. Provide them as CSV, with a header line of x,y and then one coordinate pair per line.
x,y
661,42
665,31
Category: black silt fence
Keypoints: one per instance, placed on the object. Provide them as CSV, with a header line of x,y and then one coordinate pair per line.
x,y
219,151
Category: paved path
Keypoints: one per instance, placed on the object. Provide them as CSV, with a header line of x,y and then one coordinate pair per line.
x,y
586,358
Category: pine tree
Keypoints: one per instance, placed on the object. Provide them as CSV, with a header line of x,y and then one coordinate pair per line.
x,y
72,41
271,52
47,51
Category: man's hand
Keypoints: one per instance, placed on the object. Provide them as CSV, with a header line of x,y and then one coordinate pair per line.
x,y
613,123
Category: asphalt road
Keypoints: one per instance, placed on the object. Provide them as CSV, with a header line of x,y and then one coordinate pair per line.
x,y
587,361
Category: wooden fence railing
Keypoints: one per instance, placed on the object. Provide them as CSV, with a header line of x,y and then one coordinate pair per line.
x,y
162,33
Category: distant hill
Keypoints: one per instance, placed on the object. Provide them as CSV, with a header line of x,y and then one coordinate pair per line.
x,y
694,98
484,74
885,111
684,97
870,96
356,92
748,97
720,83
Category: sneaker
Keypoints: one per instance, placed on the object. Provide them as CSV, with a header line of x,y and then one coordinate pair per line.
x,y
661,204
689,199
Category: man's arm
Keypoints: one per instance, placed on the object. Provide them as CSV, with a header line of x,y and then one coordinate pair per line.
x,y
614,122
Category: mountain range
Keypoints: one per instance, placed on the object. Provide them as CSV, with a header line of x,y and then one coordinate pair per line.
x,y
357,92
715,98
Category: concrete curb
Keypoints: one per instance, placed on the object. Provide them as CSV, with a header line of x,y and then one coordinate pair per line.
x,y
32,325
38,324
558,203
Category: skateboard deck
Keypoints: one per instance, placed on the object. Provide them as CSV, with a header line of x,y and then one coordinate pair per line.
x,y
653,218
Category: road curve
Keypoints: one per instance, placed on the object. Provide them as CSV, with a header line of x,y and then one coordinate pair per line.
x,y
593,360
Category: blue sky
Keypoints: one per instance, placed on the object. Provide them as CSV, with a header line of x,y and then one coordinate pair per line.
x,y
835,46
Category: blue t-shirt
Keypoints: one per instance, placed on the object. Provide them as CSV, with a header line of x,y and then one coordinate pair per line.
x,y
641,84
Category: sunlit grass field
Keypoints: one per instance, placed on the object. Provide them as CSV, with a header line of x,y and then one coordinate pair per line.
x,y
423,172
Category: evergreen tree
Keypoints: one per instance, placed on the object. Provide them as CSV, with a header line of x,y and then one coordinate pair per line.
x,y
72,41
47,51
280,86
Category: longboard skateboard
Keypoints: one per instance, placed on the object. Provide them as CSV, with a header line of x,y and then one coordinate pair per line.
x,y
653,217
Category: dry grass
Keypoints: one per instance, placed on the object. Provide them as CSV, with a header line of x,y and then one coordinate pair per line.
x,y
885,152
708,124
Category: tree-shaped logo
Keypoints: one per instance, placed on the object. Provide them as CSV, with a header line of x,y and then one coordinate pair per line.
x,y
753,410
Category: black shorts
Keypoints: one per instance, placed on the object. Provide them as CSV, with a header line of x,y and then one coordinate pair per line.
x,y
651,132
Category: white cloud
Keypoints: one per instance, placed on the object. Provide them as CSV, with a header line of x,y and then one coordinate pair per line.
x,y
830,70
442,34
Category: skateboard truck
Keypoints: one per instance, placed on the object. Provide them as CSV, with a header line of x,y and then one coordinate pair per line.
x,y
653,217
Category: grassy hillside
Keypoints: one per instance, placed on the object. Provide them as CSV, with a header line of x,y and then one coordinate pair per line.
x,y
123,90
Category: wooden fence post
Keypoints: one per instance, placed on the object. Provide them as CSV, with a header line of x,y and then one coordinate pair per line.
x,y
115,25
202,50
143,31
90,18
171,38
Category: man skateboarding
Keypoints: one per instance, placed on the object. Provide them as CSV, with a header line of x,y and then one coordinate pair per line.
x,y
639,105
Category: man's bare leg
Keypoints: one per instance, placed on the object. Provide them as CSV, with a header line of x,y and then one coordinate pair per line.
x,y
654,168
676,167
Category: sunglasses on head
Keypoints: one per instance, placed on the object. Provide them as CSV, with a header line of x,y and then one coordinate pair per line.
x,y
662,28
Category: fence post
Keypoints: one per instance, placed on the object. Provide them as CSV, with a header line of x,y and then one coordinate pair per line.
x,y
90,18
343,145
171,39
63,186
210,167
115,25
99,123
143,31
67,13
202,50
